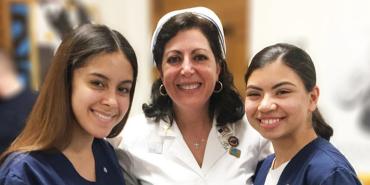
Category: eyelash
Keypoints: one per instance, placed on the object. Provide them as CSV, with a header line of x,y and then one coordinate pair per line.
x,y
97,83
200,57
123,90
100,85
282,92
173,59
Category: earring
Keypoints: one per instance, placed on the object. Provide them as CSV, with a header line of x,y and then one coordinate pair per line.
x,y
162,90
217,90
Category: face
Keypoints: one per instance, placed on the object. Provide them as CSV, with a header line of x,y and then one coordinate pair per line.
x,y
101,93
189,71
277,104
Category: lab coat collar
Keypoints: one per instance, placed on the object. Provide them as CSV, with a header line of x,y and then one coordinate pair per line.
x,y
179,150
166,129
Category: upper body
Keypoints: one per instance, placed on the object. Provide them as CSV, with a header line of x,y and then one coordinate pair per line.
x,y
13,115
158,154
281,104
53,168
177,141
86,95
318,163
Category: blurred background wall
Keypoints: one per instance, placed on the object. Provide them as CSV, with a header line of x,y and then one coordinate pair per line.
x,y
334,32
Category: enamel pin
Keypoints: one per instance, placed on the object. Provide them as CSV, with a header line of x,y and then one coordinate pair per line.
x,y
235,152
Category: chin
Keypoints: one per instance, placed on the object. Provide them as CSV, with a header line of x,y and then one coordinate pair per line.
x,y
101,135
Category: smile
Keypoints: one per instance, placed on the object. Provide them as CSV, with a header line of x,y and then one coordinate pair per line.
x,y
269,121
189,86
103,116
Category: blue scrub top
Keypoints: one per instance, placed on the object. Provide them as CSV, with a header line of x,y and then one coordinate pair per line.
x,y
318,163
53,168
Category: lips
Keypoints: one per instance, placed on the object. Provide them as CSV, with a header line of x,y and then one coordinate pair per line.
x,y
104,116
269,123
189,86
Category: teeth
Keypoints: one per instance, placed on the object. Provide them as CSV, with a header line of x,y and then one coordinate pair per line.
x,y
189,86
103,117
269,121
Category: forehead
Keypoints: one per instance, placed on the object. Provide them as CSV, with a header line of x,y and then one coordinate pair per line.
x,y
272,73
110,64
188,38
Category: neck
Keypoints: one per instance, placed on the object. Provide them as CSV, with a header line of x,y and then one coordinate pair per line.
x,y
286,148
195,126
81,142
79,152
193,120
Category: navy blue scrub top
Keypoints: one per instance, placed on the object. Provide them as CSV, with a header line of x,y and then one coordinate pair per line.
x,y
318,163
53,168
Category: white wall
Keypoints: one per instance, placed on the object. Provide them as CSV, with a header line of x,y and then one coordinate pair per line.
x,y
132,19
336,34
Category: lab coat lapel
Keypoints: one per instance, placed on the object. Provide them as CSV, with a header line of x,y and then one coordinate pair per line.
x,y
214,150
180,151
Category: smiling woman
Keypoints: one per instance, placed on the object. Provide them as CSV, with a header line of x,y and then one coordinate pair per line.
x,y
86,97
281,104
194,128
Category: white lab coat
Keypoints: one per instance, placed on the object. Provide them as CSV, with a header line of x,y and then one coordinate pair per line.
x,y
157,154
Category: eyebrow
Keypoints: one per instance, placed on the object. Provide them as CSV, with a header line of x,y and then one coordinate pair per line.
x,y
106,78
283,83
273,87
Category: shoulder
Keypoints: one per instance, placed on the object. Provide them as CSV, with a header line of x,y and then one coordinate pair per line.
x,y
328,164
102,145
251,139
137,129
19,168
262,169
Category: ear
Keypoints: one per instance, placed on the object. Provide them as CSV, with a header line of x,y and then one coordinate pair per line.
x,y
218,68
158,71
314,98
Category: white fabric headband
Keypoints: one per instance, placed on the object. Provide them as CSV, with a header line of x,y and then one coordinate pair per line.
x,y
201,11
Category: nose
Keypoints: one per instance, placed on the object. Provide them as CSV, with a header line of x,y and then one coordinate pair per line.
x,y
110,98
187,67
267,104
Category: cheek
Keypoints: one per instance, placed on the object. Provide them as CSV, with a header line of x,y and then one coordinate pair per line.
x,y
250,108
124,105
292,107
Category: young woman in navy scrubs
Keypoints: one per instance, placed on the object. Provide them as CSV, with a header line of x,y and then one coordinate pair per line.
x,y
281,104
86,97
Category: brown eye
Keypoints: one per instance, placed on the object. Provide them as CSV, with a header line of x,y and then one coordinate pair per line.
x,y
282,92
173,59
200,57
123,90
97,84
253,94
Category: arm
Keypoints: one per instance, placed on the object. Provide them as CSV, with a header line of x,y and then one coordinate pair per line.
x,y
341,176
12,180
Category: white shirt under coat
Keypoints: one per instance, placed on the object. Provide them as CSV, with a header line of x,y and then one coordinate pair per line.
x,y
157,154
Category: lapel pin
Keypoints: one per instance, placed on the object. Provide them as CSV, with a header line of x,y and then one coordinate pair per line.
x,y
233,141
235,152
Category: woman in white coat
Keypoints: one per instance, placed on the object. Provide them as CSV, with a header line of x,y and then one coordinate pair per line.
x,y
194,130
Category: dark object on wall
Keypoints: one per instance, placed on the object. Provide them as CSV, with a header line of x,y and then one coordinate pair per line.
x,y
20,40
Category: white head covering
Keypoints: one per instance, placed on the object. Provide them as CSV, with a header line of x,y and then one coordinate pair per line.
x,y
201,11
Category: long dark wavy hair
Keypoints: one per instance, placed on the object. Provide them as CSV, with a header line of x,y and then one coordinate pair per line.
x,y
226,105
301,63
